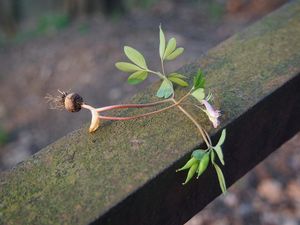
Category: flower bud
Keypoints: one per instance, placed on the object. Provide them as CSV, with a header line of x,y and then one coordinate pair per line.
x,y
191,172
203,164
188,164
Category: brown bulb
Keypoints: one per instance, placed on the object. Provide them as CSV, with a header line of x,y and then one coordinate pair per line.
x,y
73,102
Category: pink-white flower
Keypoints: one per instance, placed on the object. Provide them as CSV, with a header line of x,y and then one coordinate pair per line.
x,y
212,113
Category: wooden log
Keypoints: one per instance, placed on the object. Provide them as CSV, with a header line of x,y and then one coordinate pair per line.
x,y
125,172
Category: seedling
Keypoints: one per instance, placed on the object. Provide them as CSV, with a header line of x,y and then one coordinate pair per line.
x,y
139,71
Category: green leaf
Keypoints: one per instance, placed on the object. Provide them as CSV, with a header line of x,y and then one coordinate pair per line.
x,y
222,138
179,81
191,173
127,67
165,90
199,81
203,164
175,54
219,152
178,75
198,154
137,77
162,43
199,94
135,56
188,164
171,46
218,148
221,178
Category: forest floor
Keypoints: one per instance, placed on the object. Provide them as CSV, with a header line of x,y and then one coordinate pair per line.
x,y
81,57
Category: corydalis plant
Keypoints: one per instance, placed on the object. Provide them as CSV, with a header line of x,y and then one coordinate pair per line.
x,y
139,71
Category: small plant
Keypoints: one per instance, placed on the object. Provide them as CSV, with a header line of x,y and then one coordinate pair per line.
x,y
139,71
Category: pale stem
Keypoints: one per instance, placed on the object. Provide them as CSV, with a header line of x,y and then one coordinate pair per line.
x,y
207,137
203,129
125,106
85,106
202,132
141,115
137,116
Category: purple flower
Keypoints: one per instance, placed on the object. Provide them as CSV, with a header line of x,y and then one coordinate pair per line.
x,y
212,114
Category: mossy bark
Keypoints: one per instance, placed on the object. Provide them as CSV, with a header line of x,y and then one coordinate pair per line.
x,y
82,175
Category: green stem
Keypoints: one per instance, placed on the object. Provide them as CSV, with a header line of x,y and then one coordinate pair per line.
x,y
162,67
161,76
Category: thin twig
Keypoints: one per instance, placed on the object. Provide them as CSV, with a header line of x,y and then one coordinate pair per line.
x,y
205,138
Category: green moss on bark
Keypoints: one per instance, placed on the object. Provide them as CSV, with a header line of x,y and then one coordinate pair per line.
x,y
82,175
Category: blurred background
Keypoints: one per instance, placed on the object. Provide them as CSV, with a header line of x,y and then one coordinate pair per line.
x,y
73,45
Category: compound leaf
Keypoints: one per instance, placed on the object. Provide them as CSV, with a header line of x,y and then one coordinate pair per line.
x,y
162,43
219,152
220,178
137,77
127,67
165,90
178,75
199,81
171,46
175,54
135,56
222,138
199,94
179,81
